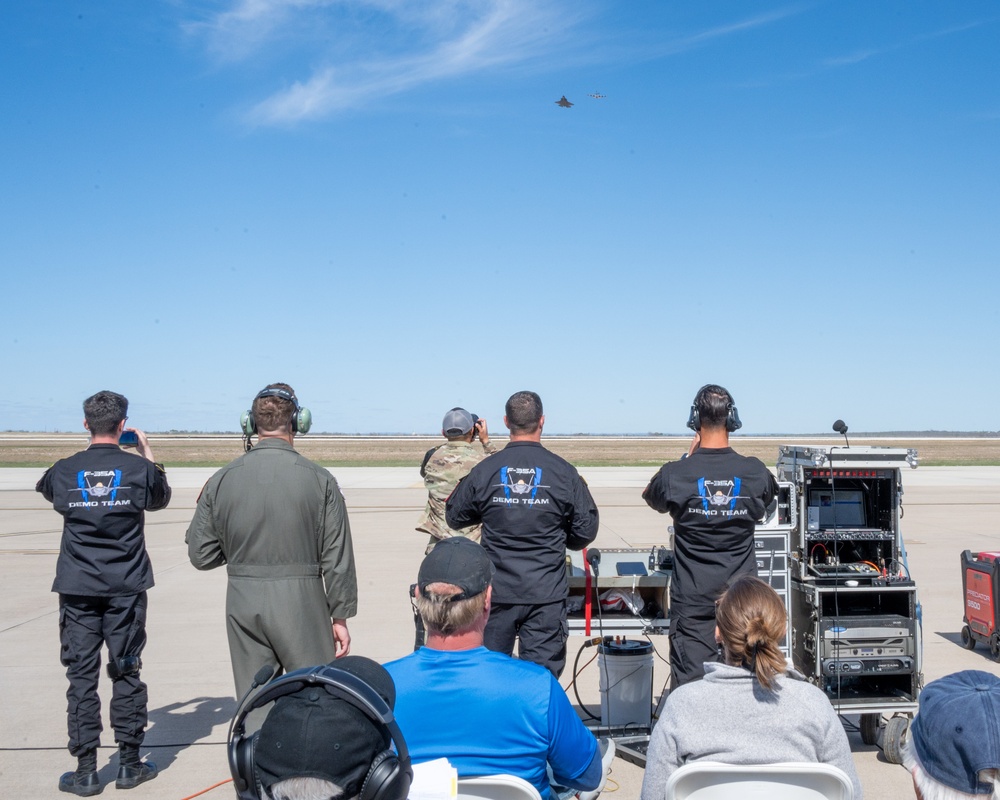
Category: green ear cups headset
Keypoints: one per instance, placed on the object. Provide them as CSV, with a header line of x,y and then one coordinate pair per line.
x,y
301,419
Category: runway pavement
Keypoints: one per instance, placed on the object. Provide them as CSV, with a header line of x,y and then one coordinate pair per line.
x,y
186,663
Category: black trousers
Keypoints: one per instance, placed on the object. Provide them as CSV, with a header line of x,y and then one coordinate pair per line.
x,y
692,641
86,624
540,630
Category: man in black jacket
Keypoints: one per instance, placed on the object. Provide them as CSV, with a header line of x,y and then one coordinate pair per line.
x,y
533,505
716,497
102,574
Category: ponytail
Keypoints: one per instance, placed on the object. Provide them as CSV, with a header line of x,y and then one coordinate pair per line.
x,y
752,620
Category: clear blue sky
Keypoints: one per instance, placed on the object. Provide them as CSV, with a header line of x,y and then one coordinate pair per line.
x,y
379,202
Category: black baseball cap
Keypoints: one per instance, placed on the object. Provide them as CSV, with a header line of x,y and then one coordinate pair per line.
x,y
315,734
460,562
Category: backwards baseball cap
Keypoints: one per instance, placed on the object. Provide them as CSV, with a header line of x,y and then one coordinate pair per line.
x,y
460,562
458,422
956,732
315,734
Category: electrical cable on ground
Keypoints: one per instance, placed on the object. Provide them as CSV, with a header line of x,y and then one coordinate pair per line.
x,y
576,672
207,790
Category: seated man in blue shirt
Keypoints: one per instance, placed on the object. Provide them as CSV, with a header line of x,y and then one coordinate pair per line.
x,y
503,715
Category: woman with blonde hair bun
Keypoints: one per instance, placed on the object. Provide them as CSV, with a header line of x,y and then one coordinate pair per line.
x,y
751,708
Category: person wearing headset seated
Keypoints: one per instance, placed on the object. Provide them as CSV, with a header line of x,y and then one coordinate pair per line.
x,y
486,712
750,709
716,497
329,735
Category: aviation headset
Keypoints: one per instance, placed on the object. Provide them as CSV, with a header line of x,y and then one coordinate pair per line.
x,y
301,418
732,415
388,777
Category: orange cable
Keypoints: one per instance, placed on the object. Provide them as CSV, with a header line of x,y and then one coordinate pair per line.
x,y
206,791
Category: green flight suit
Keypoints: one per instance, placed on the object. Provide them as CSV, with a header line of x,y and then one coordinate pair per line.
x,y
279,523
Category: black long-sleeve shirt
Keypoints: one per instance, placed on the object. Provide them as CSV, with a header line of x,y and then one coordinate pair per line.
x,y
103,493
533,505
716,498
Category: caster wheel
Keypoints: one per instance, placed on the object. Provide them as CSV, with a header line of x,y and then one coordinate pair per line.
x,y
896,730
995,646
967,641
870,723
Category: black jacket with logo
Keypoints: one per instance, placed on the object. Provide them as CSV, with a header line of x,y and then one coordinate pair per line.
x,y
103,493
533,505
716,498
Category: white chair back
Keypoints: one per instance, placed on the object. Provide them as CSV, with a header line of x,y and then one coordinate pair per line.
x,y
496,787
707,780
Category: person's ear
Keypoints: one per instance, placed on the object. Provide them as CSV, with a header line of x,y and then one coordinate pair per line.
x,y
718,635
86,425
506,424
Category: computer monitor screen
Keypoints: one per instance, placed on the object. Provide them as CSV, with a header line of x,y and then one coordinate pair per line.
x,y
844,508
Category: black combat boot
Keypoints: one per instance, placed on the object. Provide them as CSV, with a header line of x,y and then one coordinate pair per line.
x,y
132,771
84,781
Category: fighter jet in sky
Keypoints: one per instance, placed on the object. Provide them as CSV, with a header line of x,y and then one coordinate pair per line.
x,y
597,96
563,102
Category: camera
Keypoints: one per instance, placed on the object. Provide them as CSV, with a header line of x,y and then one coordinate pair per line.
x,y
128,439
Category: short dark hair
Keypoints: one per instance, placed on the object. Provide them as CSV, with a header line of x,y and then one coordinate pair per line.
x,y
104,411
274,413
524,412
713,404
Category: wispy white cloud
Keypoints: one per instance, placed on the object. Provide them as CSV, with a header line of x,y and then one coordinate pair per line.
x,y
361,49
364,49
247,25
849,59
692,41
856,57
510,33
653,44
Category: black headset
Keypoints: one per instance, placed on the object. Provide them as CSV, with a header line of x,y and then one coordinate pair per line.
x,y
388,777
301,419
733,422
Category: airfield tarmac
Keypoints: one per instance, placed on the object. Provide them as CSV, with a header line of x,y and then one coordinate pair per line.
x,y
186,663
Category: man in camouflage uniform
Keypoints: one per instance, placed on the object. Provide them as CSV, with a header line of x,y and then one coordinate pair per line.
x,y
445,465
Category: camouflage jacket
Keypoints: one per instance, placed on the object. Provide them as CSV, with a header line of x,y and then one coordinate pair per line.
x,y
448,464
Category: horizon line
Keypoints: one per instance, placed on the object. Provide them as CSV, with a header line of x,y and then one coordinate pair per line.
x,y
927,434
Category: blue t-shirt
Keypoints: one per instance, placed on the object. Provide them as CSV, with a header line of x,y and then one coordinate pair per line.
x,y
488,714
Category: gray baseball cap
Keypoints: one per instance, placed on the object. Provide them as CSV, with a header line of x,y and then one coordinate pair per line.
x,y
458,422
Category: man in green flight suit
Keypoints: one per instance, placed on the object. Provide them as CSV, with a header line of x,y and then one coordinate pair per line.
x,y
279,523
